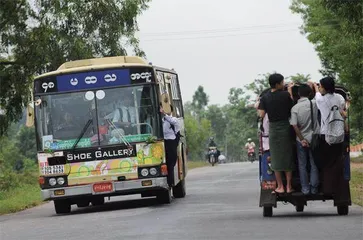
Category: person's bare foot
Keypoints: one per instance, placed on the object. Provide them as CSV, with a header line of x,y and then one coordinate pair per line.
x,y
290,190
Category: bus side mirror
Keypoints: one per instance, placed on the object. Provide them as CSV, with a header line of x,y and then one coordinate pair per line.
x,y
30,115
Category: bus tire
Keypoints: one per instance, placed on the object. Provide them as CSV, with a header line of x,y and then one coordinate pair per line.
x,y
62,206
98,201
179,189
343,210
267,211
164,197
299,208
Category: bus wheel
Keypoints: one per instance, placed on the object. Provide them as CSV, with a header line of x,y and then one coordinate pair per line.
x,y
343,210
267,211
299,208
98,201
164,197
179,189
62,206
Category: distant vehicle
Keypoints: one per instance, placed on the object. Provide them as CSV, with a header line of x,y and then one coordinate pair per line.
x,y
212,155
251,154
221,159
99,131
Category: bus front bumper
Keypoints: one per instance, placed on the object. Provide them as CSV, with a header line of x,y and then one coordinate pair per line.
x,y
119,188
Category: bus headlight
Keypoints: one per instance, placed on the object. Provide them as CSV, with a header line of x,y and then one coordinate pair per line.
x,y
52,181
144,172
60,181
153,171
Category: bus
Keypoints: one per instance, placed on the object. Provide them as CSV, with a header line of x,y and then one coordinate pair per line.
x,y
99,131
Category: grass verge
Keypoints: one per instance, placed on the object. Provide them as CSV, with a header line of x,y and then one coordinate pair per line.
x,y
356,183
196,164
20,198
357,159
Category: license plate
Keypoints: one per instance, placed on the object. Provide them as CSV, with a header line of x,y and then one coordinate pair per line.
x,y
59,192
56,169
103,187
147,183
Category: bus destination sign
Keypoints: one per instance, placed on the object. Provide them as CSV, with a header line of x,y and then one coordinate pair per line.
x,y
93,80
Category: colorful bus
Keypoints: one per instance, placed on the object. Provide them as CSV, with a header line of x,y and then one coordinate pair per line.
x,y
99,131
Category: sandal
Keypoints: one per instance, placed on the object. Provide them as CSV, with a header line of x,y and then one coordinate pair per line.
x,y
276,192
291,191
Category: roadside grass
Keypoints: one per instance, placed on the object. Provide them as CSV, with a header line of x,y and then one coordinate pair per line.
x,y
196,164
20,198
357,160
356,183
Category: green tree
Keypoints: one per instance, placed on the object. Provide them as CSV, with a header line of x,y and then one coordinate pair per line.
x,y
218,121
241,124
259,84
25,142
197,136
335,28
200,101
38,36
300,78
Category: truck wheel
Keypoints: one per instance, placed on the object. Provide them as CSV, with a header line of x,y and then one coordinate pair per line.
x,y
62,206
98,201
179,189
164,197
299,208
267,211
343,210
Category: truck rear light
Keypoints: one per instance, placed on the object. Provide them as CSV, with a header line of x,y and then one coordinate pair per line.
x,y
164,170
41,180
268,185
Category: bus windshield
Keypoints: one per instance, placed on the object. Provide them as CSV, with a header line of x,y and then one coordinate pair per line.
x,y
98,117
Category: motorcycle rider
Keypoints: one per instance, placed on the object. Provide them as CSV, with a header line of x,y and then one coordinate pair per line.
x,y
250,146
212,145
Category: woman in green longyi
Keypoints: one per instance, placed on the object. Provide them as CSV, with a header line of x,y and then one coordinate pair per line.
x,y
277,103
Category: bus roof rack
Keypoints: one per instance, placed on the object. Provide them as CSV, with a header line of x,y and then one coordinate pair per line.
x,y
103,61
97,63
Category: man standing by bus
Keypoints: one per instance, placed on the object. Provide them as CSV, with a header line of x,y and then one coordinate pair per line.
x,y
171,142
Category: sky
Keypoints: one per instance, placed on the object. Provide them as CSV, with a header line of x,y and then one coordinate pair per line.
x,y
225,44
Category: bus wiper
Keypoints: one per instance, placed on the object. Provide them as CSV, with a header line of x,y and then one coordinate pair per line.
x,y
82,133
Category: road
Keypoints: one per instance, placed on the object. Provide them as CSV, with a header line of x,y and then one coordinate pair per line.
x,y
221,203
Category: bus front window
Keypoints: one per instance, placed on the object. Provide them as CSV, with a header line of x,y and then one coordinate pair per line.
x,y
127,114
61,118
123,115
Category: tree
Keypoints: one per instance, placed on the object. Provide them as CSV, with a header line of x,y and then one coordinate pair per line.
x,y
197,136
39,37
200,101
259,84
218,121
300,78
335,28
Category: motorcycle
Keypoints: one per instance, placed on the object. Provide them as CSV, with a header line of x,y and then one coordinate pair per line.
x,y
251,154
212,155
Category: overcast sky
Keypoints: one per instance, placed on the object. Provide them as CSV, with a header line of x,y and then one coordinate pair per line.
x,y
225,44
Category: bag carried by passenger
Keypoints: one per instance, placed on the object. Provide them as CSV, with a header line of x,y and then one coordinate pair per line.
x,y
315,141
335,127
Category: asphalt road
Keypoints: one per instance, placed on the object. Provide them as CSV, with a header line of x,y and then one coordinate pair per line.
x,y
221,203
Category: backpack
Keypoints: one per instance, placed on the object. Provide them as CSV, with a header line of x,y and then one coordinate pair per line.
x,y
335,127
